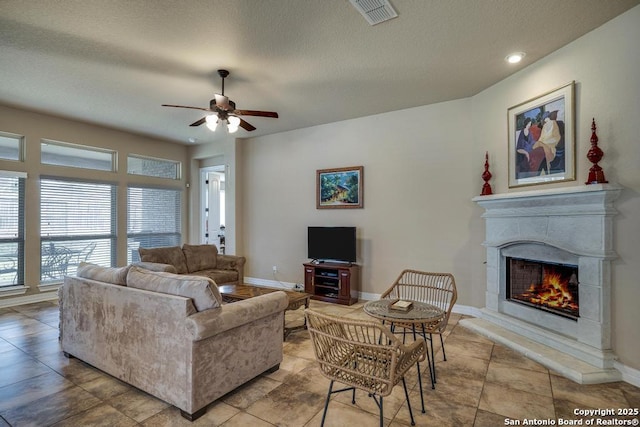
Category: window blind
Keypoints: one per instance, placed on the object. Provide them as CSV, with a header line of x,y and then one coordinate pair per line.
x,y
153,219
11,230
78,223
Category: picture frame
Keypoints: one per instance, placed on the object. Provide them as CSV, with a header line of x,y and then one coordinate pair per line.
x,y
340,188
541,138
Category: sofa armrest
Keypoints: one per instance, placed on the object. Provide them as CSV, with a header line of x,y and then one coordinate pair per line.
x,y
214,321
232,262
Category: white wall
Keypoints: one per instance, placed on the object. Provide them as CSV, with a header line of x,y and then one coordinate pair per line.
x,y
419,178
422,166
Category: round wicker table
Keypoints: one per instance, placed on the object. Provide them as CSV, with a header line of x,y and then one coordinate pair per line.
x,y
419,312
416,318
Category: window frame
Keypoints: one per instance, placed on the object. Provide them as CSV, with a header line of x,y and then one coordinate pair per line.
x,y
113,154
19,286
21,146
178,166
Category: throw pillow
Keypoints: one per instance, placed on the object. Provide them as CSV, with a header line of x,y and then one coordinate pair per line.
x,y
202,290
200,257
114,275
165,255
154,266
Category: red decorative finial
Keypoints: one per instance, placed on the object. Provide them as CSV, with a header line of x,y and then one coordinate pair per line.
x,y
596,174
486,176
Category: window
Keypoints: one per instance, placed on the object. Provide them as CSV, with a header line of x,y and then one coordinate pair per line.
x,y
11,146
154,219
76,156
147,166
77,223
11,229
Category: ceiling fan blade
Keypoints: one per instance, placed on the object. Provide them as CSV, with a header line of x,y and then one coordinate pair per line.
x,y
184,106
257,113
199,122
246,126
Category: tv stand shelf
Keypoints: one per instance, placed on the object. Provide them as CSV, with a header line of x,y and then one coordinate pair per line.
x,y
332,282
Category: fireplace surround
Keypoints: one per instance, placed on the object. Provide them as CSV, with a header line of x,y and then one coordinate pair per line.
x,y
570,226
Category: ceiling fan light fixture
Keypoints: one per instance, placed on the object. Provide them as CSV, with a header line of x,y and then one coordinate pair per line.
x,y
224,111
212,122
234,122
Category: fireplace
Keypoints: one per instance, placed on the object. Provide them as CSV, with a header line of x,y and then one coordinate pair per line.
x,y
548,283
551,287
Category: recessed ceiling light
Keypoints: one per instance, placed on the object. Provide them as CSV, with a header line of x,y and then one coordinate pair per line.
x,y
514,58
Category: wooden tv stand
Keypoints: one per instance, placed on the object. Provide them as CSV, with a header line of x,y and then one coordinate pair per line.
x,y
332,282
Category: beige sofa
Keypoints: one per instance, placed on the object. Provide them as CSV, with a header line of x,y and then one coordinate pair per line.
x,y
169,334
199,260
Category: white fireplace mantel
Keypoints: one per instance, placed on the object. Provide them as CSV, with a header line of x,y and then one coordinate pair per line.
x,y
573,224
568,215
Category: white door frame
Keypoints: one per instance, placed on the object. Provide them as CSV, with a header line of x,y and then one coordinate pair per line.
x,y
208,230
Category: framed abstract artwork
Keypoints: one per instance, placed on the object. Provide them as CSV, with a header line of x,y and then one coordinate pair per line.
x,y
340,188
541,139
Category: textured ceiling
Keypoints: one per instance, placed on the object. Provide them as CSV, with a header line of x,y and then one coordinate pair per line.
x,y
115,62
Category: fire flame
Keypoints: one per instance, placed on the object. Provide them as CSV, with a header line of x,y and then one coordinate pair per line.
x,y
553,292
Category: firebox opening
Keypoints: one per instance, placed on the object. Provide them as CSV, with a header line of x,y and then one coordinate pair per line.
x,y
547,286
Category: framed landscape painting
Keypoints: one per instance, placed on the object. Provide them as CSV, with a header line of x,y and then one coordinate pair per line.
x,y
542,139
340,188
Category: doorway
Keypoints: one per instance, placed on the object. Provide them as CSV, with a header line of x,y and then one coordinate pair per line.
x,y
213,206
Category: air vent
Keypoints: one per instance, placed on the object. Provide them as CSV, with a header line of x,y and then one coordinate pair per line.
x,y
375,11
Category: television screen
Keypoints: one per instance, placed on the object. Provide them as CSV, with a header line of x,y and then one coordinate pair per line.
x,y
332,243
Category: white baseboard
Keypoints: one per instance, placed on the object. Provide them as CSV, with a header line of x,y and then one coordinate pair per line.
x,y
270,283
28,299
467,310
629,375
366,296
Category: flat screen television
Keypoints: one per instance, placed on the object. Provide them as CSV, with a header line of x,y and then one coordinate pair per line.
x,y
332,244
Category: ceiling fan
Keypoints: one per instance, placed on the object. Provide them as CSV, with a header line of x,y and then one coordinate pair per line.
x,y
224,111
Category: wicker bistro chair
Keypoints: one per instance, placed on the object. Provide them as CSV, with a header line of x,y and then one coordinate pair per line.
x,y
363,355
437,289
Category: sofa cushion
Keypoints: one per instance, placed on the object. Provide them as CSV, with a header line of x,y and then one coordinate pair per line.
x,y
165,255
113,275
203,291
200,257
219,276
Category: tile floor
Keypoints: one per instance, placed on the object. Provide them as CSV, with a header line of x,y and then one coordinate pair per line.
x,y
481,384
